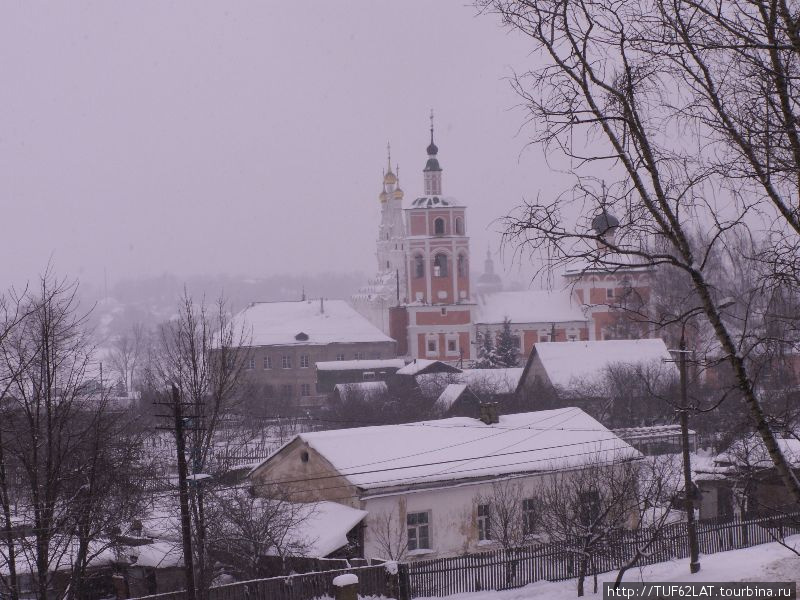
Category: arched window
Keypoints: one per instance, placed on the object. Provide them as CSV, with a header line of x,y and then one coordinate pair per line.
x,y
440,265
419,266
438,226
462,265
459,226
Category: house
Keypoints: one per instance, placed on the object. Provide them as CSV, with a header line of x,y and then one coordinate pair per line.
x,y
420,483
657,439
613,379
332,372
743,481
287,339
472,387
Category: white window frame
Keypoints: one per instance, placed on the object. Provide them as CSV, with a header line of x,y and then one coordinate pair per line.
x,y
304,362
435,340
414,541
484,522
340,356
452,338
286,361
251,363
305,390
267,362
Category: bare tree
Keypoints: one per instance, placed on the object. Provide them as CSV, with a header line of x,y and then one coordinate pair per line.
x,y
622,79
584,509
390,534
202,354
248,527
126,354
56,433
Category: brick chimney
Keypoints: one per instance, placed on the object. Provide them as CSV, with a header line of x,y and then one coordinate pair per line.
x,y
489,413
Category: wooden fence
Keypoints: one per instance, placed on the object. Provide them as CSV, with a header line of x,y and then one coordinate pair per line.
x,y
510,568
373,580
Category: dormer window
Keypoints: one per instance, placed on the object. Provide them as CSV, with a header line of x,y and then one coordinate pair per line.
x,y
301,337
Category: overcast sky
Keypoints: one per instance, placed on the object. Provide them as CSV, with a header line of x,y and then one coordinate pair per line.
x,y
246,137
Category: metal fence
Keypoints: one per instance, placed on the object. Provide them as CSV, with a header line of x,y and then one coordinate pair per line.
x,y
510,568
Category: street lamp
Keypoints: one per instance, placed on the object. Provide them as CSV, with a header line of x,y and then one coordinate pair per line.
x,y
688,492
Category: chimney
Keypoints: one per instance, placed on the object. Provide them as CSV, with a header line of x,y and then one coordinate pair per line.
x,y
488,413
321,305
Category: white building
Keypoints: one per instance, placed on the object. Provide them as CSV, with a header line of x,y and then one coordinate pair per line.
x,y
420,483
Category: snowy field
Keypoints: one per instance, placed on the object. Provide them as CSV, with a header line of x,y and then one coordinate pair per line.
x,y
768,562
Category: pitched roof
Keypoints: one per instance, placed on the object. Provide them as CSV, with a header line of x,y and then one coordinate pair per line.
x,y
360,365
288,324
568,363
364,390
529,306
444,450
423,365
495,381
448,397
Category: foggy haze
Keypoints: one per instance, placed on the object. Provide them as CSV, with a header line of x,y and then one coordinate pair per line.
x,y
246,138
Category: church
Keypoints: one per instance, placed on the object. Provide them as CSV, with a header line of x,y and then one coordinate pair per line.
x,y
422,295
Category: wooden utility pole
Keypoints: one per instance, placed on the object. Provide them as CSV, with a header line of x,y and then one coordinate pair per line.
x,y
183,488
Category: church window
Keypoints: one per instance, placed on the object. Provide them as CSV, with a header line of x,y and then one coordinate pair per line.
x,y
438,226
432,345
609,293
462,265
419,266
440,265
459,226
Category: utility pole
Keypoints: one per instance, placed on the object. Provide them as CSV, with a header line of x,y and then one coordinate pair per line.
x,y
691,526
183,488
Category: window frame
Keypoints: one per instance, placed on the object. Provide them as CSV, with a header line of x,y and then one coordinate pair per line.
x,y
437,230
417,527
267,363
304,361
305,390
440,267
483,520
286,361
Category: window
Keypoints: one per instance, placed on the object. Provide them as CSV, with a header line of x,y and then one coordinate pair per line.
x,y
572,337
484,524
368,375
459,226
305,389
432,345
419,533
340,356
251,363
286,361
286,390
438,226
529,516
452,346
588,507
462,265
609,292
444,311
359,356
440,265
419,266
304,361
267,362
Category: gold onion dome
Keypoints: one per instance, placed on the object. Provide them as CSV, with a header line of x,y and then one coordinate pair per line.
x,y
383,197
390,178
398,193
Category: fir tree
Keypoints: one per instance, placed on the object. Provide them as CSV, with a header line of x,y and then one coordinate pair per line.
x,y
487,356
507,351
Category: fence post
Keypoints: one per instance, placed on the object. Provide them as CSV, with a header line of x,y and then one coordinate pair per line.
x,y
346,587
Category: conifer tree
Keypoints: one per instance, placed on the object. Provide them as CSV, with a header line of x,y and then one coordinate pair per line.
x,y
507,351
487,356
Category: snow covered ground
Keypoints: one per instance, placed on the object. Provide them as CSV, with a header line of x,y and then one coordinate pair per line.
x,y
768,562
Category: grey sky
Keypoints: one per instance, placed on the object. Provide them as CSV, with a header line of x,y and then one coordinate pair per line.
x,y
245,137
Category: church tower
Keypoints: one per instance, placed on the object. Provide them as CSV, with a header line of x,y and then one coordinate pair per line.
x,y
439,306
391,232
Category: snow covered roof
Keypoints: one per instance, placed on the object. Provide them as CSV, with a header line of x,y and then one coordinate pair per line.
x,y
448,397
444,450
752,452
360,365
418,365
529,306
497,381
610,263
366,390
324,528
568,363
305,322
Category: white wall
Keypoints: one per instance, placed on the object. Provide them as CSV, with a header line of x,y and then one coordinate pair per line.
x,y
453,516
